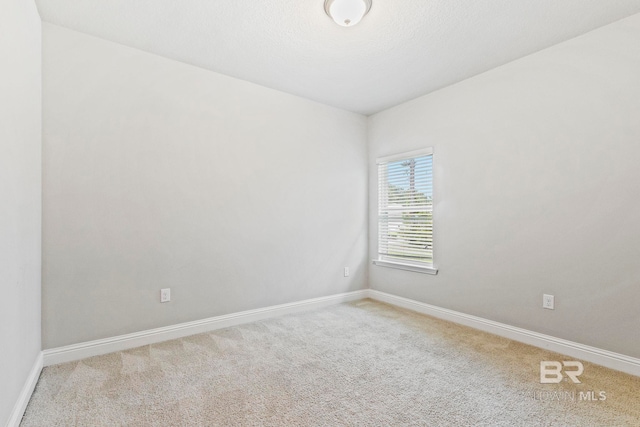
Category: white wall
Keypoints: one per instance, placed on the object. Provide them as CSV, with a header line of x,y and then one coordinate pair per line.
x,y
159,174
20,204
537,187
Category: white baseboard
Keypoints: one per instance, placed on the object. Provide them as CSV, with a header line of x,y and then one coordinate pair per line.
x,y
124,342
25,393
609,359
587,353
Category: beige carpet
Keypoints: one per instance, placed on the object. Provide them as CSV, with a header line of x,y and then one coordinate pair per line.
x,y
363,363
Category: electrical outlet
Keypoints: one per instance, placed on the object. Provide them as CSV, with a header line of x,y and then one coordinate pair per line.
x,y
346,272
165,295
547,301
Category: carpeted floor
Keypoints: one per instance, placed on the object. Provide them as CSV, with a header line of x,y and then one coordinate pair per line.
x,y
363,363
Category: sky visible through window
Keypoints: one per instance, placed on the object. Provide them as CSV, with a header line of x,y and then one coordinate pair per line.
x,y
400,175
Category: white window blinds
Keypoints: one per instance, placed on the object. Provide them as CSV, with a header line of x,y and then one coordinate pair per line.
x,y
405,208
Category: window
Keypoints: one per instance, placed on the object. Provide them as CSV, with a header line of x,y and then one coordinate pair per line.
x,y
405,211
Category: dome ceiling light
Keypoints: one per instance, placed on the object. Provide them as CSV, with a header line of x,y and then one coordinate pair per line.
x,y
347,12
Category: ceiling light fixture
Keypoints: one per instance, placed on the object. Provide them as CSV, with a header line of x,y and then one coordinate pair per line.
x,y
347,12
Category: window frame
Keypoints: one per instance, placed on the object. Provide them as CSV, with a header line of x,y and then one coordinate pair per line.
x,y
399,263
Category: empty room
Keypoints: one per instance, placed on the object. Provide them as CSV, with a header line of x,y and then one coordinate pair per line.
x,y
320,213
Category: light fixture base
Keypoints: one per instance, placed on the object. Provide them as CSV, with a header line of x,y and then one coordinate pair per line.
x,y
327,9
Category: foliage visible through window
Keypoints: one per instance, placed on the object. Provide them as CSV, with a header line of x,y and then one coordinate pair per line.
x,y
405,208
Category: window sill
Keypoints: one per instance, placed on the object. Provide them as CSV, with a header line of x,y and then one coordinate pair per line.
x,y
408,267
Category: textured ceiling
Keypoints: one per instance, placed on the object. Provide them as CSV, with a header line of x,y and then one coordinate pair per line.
x,y
402,49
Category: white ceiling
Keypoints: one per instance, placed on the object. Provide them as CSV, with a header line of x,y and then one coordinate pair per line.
x,y
402,49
